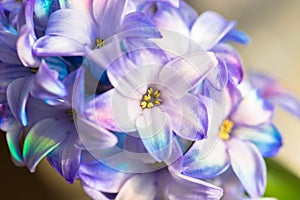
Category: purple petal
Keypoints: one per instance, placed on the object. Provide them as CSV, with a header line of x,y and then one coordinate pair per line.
x,y
180,79
25,43
184,187
41,140
210,28
101,177
206,165
232,60
249,166
266,138
108,15
138,25
252,110
134,188
156,133
66,158
8,53
46,84
58,46
218,76
17,96
190,118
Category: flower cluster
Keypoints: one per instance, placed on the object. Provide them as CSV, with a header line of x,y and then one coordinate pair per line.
x,y
138,99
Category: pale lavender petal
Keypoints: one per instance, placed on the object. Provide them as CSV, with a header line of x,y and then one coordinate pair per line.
x,y
253,110
100,110
156,133
101,177
93,136
58,46
46,84
138,25
108,15
25,43
17,96
41,140
76,88
190,117
94,194
184,187
266,138
210,28
68,23
218,76
134,188
206,165
181,80
249,166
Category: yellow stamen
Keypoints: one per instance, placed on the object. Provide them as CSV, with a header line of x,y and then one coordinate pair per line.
x,y
34,70
143,104
156,94
225,129
100,43
150,99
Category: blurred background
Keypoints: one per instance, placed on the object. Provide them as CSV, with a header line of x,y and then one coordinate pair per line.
x,y
274,27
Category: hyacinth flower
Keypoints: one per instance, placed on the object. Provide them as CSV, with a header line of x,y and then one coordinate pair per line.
x,y
152,100
271,90
44,120
85,25
246,136
100,181
210,31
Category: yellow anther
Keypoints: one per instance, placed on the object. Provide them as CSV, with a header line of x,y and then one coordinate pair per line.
x,y
156,94
100,43
147,97
150,105
149,91
157,102
225,129
143,104
150,99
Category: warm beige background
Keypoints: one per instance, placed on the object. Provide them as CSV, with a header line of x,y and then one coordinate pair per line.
x,y
274,26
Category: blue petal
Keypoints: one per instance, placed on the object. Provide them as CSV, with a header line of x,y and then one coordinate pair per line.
x,y
237,36
156,133
42,138
266,138
101,177
206,165
249,166
17,96
184,187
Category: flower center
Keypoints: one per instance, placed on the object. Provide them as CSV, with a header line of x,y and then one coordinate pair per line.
x,y
150,99
225,129
99,43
